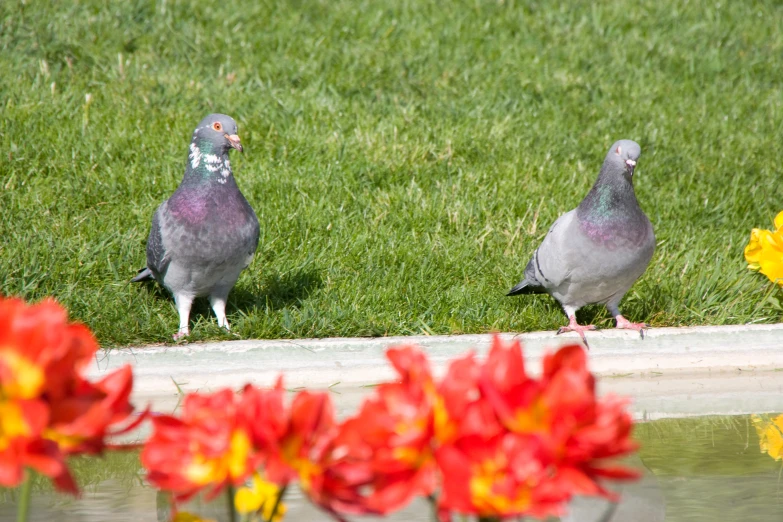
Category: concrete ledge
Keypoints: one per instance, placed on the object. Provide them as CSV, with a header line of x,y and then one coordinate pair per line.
x,y
672,372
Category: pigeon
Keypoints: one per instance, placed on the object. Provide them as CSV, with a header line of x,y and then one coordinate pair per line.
x,y
206,233
594,253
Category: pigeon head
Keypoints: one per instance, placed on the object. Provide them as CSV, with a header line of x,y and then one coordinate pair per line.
x,y
216,134
612,194
622,156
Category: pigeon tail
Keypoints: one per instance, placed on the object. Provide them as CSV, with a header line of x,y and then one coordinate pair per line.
x,y
526,287
145,274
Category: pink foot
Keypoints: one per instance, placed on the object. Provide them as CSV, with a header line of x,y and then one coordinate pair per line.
x,y
179,335
574,327
625,324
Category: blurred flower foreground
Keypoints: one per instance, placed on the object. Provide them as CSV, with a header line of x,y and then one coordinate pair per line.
x,y
486,440
764,252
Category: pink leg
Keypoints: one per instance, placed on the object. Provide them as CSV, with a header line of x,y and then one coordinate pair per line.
x,y
625,324
574,327
183,302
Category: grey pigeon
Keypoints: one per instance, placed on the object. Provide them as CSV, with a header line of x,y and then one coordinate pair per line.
x,y
206,233
594,253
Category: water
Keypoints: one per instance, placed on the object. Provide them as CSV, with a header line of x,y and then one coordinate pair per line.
x,y
696,469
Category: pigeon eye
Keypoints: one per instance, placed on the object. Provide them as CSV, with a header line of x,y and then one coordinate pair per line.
x,y
217,126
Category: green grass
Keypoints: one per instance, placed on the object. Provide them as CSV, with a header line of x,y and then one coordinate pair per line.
x,y
404,158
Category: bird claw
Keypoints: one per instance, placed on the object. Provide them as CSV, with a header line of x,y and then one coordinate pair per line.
x,y
573,327
179,335
578,329
625,324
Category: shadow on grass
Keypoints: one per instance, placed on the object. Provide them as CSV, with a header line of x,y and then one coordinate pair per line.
x,y
631,307
277,291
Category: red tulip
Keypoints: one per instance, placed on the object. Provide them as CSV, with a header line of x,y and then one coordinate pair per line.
x,y
304,444
560,414
382,457
309,428
461,408
208,447
49,408
343,474
498,442
499,476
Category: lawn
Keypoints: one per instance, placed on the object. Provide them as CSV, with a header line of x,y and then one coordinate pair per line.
x,y
404,158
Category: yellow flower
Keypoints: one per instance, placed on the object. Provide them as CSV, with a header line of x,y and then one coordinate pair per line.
x,y
771,257
184,516
764,251
260,498
754,248
770,432
779,220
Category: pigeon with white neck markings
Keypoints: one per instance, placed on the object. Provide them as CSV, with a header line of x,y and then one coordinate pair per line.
x,y
594,253
206,233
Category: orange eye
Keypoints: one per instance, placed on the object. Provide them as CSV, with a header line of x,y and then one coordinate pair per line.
x,y
217,126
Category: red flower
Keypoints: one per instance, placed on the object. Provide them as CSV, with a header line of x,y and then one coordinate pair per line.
x,y
393,432
344,473
573,431
500,442
461,410
309,428
209,446
49,409
304,443
80,421
496,476
264,413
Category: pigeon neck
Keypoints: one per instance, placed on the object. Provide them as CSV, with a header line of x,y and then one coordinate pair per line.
x,y
612,195
207,164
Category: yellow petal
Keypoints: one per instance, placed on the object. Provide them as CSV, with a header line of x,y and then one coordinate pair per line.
x,y
240,449
27,379
279,514
261,494
770,258
63,440
12,422
484,496
184,516
779,220
755,246
774,438
203,471
247,501
770,432
264,488
232,464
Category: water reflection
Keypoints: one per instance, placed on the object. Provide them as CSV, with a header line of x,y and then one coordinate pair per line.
x,y
640,501
770,432
705,468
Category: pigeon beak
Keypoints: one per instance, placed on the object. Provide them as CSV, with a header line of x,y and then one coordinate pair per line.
x,y
630,165
233,139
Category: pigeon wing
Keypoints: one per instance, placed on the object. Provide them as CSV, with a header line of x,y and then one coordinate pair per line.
x,y
549,266
157,260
